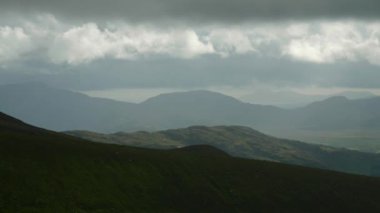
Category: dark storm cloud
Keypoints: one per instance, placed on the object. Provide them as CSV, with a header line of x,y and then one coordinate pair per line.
x,y
102,70
198,10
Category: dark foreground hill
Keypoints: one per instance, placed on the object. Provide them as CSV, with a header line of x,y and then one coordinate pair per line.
x,y
43,171
245,142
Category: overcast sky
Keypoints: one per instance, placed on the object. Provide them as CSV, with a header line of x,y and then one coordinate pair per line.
x,y
181,45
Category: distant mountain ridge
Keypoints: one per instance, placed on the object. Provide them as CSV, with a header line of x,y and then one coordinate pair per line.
x,y
290,99
58,109
341,113
62,110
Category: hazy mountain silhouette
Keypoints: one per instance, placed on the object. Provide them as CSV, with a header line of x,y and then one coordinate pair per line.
x,y
340,113
59,109
183,109
290,99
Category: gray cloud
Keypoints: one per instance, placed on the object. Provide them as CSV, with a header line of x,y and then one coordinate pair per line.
x,y
312,41
198,10
208,71
232,43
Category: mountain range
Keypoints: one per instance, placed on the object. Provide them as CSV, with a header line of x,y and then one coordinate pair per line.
x,y
291,99
245,142
45,171
63,110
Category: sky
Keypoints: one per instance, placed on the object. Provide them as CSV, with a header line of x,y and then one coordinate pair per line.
x,y
133,49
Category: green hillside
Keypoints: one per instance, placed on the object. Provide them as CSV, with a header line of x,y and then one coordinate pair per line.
x,y
43,171
245,142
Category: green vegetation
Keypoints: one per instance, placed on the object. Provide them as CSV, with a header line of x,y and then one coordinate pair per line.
x,y
361,140
247,143
43,171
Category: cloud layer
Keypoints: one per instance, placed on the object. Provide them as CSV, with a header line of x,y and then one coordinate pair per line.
x,y
337,41
14,42
52,41
199,11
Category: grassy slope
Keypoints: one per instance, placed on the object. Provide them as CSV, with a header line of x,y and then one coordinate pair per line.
x,y
248,143
355,139
43,171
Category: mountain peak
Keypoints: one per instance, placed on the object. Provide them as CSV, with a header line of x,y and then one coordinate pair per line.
x,y
201,96
335,100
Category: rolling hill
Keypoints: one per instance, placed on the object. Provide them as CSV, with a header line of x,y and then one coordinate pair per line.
x,y
291,99
245,142
61,110
182,109
58,109
44,171
336,121
337,113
